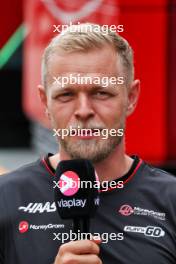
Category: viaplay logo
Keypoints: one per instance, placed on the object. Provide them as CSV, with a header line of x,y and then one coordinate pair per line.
x,y
23,227
69,183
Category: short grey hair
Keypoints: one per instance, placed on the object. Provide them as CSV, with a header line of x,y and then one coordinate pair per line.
x,y
85,37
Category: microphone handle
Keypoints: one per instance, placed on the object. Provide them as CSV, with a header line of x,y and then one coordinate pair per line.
x,y
81,224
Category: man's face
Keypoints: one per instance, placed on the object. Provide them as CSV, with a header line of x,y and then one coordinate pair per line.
x,y
87,105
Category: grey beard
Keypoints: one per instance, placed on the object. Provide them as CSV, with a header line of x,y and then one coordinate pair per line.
x,y
94,150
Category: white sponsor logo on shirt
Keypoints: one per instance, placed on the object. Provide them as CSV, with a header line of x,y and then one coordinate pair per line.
x,y
46,227
33,208
128,210
152,231
24,226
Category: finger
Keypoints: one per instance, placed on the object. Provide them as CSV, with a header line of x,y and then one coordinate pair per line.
x,y
81,259
96,239
80,247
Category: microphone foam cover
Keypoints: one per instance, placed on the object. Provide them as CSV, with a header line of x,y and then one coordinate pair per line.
x,y
77,191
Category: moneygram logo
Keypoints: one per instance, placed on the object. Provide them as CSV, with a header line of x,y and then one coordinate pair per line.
x,y
127,210
66,183
23,227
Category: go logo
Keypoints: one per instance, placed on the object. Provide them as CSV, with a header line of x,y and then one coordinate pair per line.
x,y
154,231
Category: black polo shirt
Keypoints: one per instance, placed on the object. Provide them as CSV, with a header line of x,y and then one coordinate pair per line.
x,y
137,223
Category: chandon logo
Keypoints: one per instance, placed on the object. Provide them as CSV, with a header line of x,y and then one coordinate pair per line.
x,y
66,183
23,227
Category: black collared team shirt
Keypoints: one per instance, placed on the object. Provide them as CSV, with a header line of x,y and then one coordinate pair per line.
x,y
137,223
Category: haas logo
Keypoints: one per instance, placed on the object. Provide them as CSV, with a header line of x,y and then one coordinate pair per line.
x,y
23,227
126,210
85,10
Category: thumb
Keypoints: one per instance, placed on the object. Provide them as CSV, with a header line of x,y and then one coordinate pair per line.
x,y
96,239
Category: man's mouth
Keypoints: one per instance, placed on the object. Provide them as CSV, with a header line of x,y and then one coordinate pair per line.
x,y
88,133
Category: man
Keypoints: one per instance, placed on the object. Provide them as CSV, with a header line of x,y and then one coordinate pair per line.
x,y
141,214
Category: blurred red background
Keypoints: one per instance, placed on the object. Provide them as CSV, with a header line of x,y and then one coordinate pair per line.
x,y
149,26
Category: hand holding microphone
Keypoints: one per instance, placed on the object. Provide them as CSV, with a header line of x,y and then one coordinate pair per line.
x,y
78,201
79,252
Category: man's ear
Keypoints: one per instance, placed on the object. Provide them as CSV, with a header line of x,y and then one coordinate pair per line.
x,y
133,95
42,94
43,97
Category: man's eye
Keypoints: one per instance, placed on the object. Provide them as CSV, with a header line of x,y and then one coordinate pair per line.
x,y
65,96
101,94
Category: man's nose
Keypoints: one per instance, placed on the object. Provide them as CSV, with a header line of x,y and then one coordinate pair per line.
x,y
84,108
